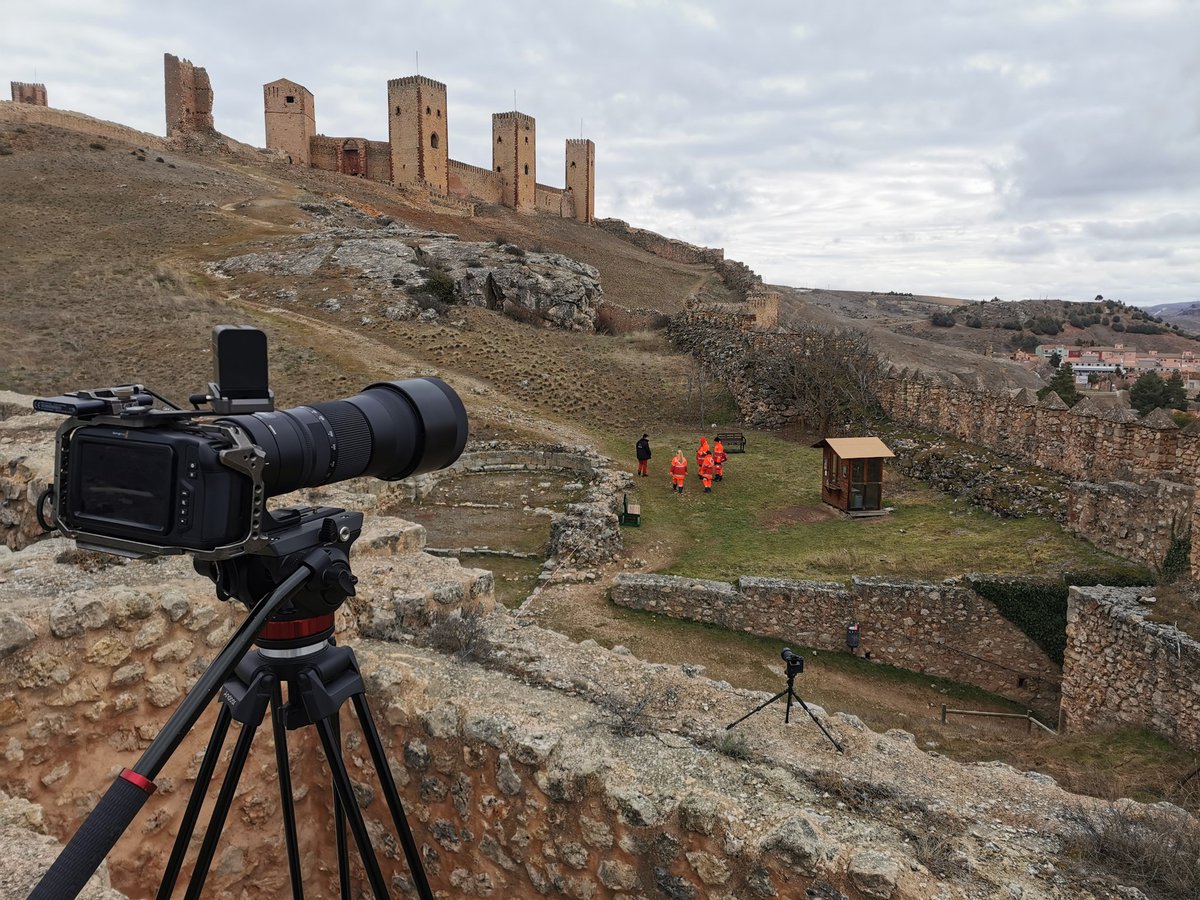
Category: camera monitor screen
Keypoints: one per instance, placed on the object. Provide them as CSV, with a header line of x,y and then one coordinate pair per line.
x,y
124,483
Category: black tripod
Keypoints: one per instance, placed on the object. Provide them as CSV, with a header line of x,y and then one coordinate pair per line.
x,y
795,665
302,581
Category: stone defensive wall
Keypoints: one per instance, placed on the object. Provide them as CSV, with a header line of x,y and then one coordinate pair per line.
x,y
945,630
1082,442
27,114
1119,669
611,318
372,160
553,201
664,247
483,184
1136,521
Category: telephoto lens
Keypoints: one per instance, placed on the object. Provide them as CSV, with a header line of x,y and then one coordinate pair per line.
x,y
391,430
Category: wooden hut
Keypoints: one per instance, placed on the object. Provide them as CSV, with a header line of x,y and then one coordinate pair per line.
x,y
852,474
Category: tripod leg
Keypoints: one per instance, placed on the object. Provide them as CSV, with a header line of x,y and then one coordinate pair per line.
x,y
187,825
216,822
756,709
415,866
339,821
787,715
341,783
285,792
824,730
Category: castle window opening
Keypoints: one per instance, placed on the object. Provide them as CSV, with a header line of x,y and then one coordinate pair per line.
x,y
433,140
428,110
291,99
572,164
527,139
439,113
499,139
397,110
526,168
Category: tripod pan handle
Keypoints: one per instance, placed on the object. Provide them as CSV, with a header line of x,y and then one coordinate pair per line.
x,y
96,836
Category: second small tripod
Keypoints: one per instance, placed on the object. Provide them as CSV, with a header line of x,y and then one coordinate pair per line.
x,y
795,665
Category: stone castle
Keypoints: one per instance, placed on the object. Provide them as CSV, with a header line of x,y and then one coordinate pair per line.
x,y
417,154
33,94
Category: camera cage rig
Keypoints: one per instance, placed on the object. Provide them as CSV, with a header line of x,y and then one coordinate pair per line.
x,y
130,407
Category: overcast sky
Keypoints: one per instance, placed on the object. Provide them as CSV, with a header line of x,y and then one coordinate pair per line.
x,y
974,149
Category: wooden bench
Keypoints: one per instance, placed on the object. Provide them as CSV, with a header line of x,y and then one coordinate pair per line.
x,y
733,441
632,514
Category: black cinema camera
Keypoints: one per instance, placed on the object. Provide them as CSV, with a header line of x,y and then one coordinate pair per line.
x,y
793,660
136,480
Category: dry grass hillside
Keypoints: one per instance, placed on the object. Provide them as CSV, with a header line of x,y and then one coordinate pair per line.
x,y
103,280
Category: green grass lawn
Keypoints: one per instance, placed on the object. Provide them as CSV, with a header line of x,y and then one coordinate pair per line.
x,y
766,518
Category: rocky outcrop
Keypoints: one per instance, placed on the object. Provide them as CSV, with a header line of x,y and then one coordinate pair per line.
x,y
404,270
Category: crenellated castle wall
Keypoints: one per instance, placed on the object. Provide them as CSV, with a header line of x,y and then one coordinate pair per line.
x,y
475,181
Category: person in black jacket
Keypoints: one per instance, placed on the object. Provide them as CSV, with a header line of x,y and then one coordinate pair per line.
x,y
643,454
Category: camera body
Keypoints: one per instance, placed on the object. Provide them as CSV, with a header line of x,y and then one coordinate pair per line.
x,y
794,661
150,484
138,481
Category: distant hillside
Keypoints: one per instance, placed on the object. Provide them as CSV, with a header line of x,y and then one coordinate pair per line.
x,y
1186,315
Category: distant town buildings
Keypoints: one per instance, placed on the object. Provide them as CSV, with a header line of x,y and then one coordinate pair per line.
x,y
1119,360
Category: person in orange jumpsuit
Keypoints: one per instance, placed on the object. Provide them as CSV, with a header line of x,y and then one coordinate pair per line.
x,y
706,471
719,457
700,453
678,471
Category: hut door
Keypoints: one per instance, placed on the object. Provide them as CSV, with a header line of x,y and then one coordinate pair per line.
x,y
857,477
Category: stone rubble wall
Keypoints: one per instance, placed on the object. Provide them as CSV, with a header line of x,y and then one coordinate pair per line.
x,y
1138,522
614,319
946,630
1121,670
663,247
586,533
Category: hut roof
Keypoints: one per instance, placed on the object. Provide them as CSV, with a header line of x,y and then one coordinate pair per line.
x,y
856,448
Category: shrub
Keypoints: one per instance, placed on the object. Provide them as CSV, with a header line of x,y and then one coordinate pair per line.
x,y
1157,846
732,744
514,250
6,150
974,322
1177,560
942,319
463,634
1012,325
500,240
96,145
439,284
634,715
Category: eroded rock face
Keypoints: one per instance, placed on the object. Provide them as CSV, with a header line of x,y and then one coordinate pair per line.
x,y
398,264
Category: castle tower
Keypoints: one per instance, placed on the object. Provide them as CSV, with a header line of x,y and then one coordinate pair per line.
x,y
417,132
514,157
33,94
189,97
581,177
291,118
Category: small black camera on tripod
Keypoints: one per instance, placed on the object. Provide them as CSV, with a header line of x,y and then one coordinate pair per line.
x,y
793,666
138,480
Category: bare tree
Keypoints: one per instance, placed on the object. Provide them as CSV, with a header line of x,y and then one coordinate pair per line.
x,y
828,374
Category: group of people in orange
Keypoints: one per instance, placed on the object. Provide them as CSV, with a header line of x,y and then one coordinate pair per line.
x,y
710,465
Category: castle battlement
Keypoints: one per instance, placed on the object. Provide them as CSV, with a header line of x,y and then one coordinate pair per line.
x,y
513,114
29,92
421,80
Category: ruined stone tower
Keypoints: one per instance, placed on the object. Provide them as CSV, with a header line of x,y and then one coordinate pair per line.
x,y
291,118
581,177
417,132
189,97
514,158
33,94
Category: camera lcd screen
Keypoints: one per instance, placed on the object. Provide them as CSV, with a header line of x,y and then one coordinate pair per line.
x,y
126,483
